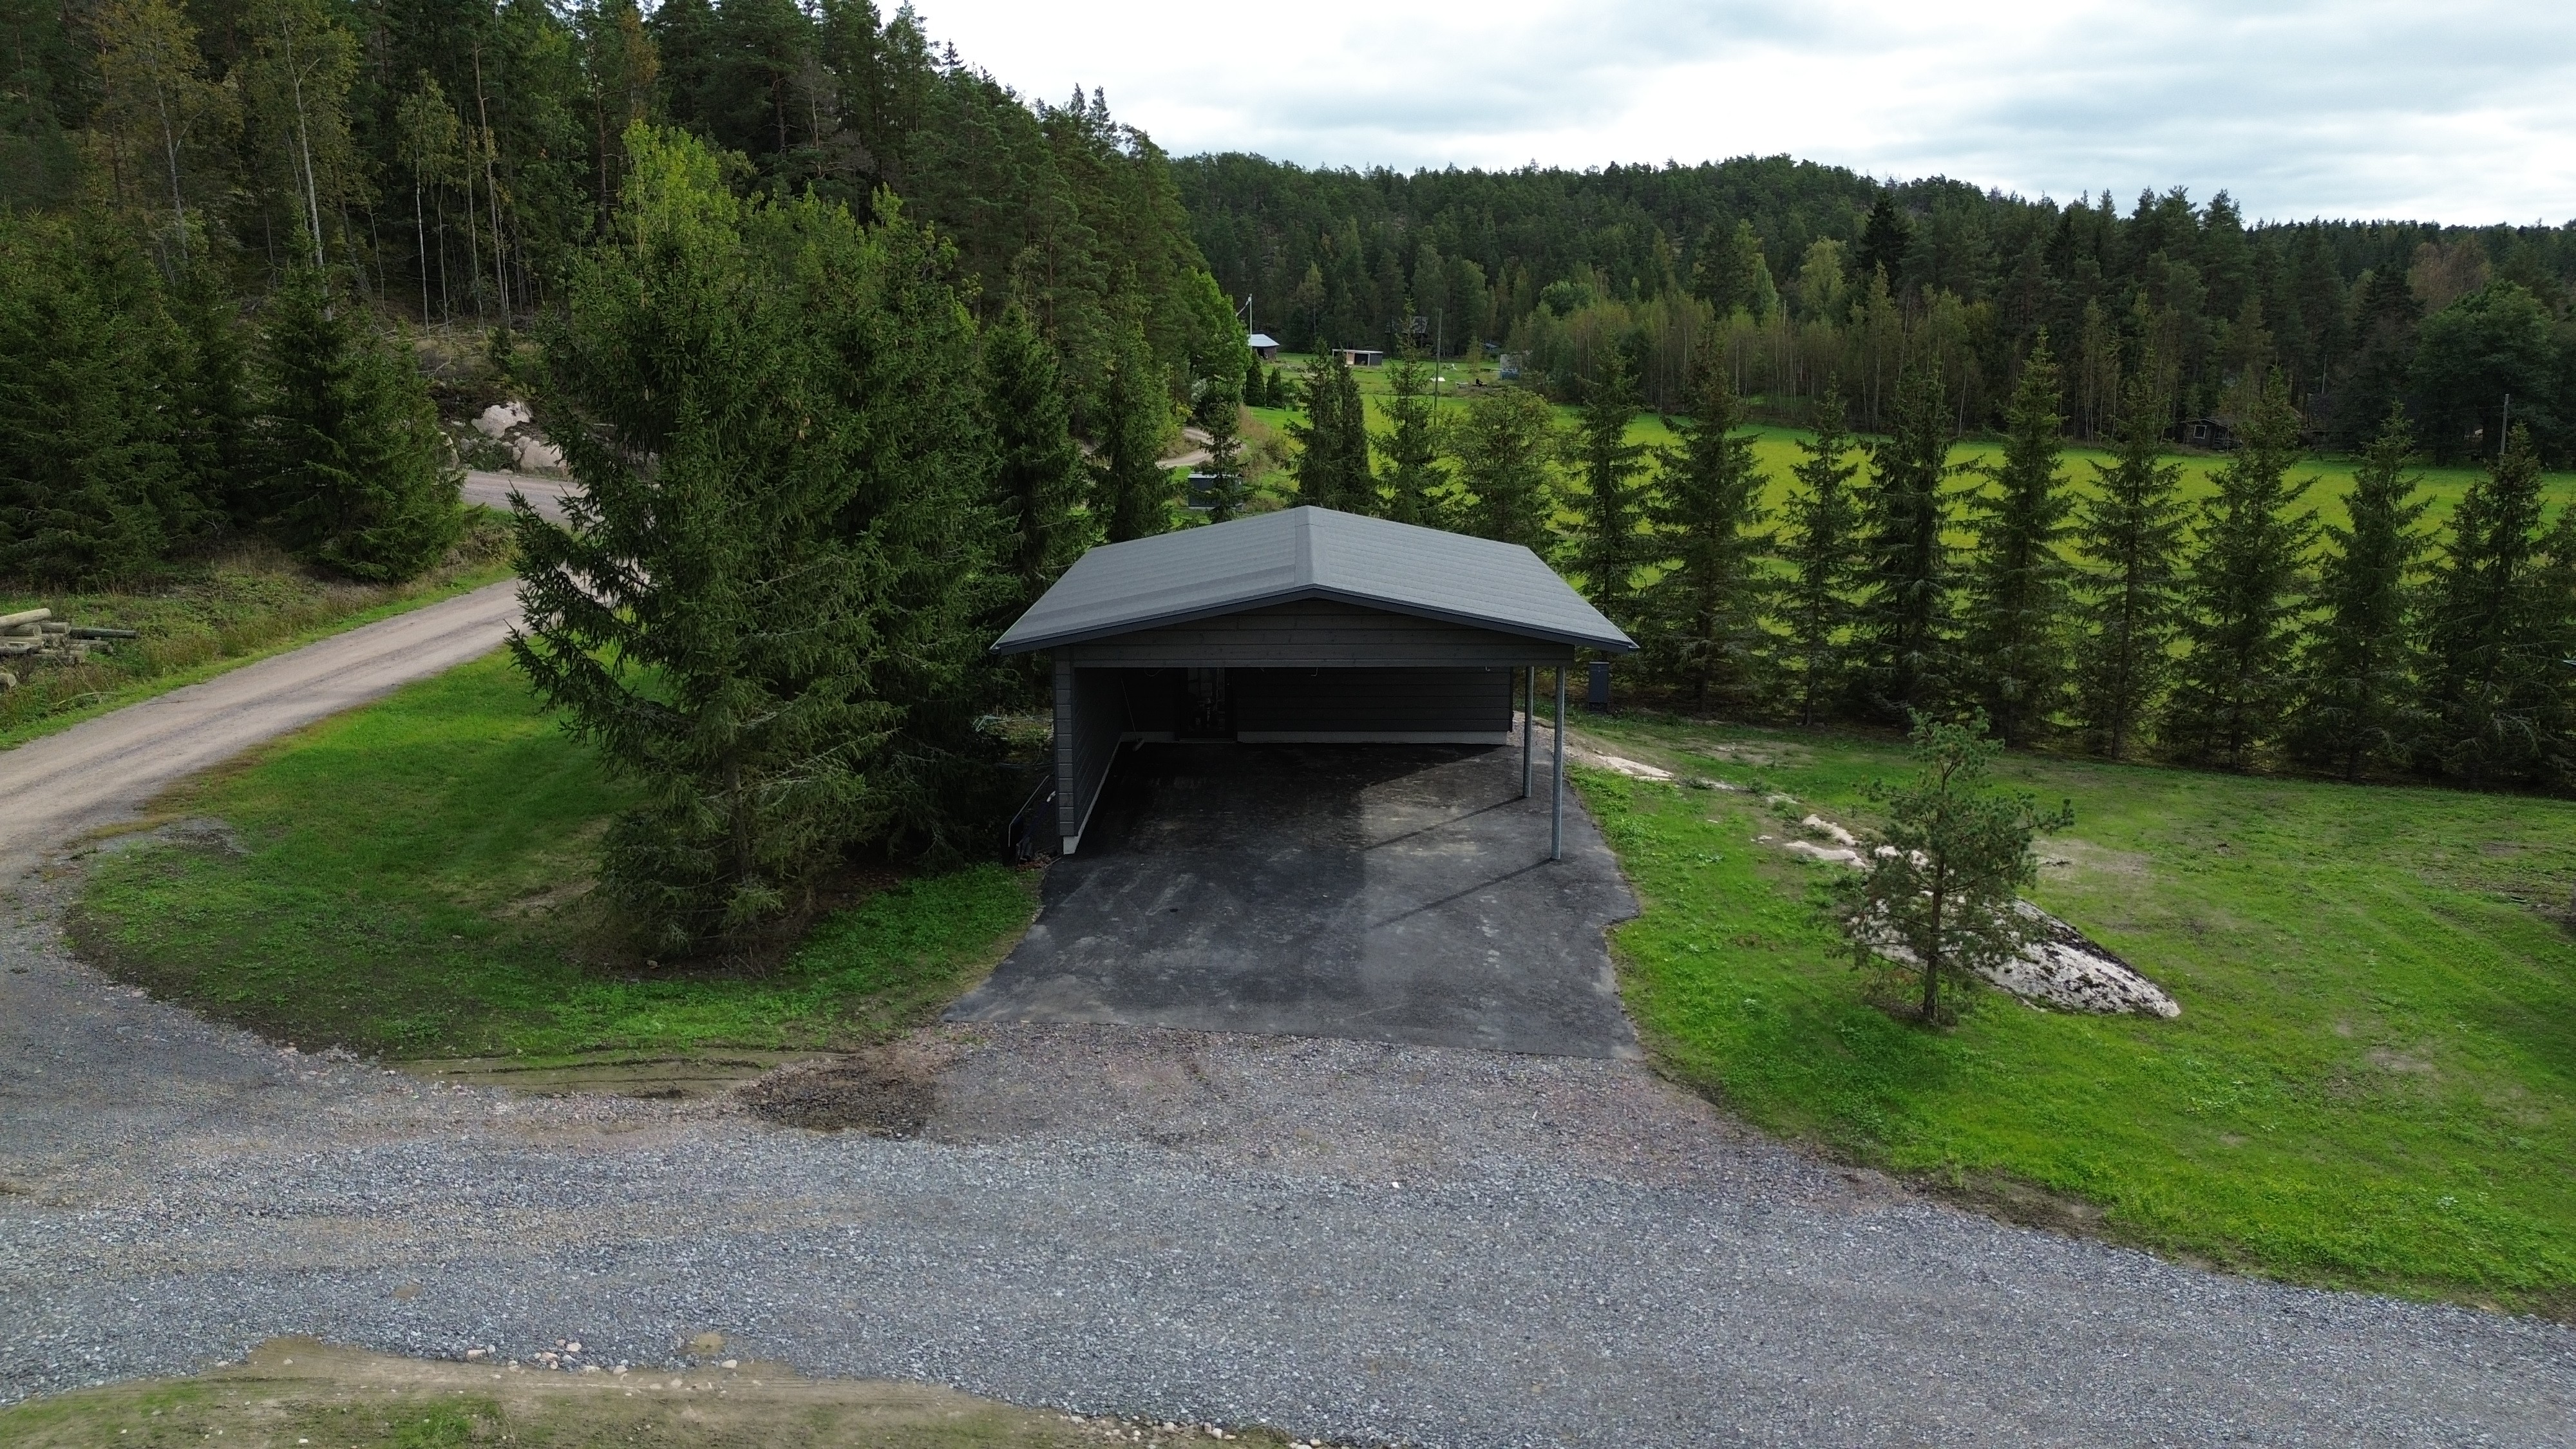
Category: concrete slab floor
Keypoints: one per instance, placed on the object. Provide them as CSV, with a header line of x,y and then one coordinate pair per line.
x,y
1396,893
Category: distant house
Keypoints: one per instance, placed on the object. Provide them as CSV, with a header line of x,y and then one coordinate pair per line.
x,y
1265,347
1361,356
1510,366
2211,432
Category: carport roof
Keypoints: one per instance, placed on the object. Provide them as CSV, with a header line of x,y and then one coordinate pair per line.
x,y
1309,553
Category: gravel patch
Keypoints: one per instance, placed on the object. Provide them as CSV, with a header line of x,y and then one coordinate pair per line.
x,y
1355,1241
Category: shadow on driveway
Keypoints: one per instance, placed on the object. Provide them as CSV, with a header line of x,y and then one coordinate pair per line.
x,y
1394,893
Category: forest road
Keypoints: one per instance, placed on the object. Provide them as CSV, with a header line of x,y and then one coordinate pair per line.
x,y
101,772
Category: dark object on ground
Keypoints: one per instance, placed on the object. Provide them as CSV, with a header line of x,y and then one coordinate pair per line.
x,y
1386,893
879,1093
1598,698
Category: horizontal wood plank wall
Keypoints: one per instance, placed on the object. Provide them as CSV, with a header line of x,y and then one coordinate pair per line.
x,y
1090,711
1317,633
1466,705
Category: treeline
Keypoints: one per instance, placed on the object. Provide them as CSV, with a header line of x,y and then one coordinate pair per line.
x,y
1801,278
190,183
2119,620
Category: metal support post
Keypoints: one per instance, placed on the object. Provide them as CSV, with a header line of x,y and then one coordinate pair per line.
x,y
1529,725
1556,806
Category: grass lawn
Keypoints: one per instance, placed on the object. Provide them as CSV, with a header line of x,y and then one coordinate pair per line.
x,y
2372,1084
296,1391
406,880
213,614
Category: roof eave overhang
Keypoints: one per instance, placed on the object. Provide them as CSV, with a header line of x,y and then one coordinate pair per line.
x,y
1300,594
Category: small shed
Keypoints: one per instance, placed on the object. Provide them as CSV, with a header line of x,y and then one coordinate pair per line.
x,y
1265,347
1360,356
1302,626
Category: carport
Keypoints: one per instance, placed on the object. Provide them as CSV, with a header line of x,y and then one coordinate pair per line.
x,y
1305,626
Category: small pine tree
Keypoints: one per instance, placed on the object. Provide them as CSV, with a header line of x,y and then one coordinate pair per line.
x,y
1332,462
1224,410
1037,475
1821,547
2356,669
2557,714
1903,625
215,401
2129,541
2242,598
2489,632
2013,663
1940,895
1131,494
1414,475
357,476
1708,604
1609,550
1504,447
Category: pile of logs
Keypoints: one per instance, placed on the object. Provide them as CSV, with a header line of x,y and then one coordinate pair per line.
x,y
37,637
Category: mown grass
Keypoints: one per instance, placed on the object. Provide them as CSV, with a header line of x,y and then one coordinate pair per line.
x,y
408,879
2372,1084
205,616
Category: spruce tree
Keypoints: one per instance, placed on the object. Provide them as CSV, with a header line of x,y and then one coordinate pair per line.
x,y
2356,670
2488,636
765,612
1504,446
2243,594
1821,547
2013,659
1903,628
1411,447
2557,715
93,484
1610,467
1037,473
215,404
1223,407
1131,494
1332,464
1708,604
356,472
2129,542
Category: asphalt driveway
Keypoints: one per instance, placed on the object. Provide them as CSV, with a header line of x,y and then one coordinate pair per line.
x,y
1396,893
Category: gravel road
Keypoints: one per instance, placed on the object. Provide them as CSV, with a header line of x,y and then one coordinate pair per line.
x,y
101,771
1370,1242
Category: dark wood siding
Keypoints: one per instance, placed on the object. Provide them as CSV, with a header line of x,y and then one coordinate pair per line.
x,y
1454,704
1316,633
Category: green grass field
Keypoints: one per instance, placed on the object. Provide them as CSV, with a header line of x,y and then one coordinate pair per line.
x,y
406,880
2372,1084
1777,450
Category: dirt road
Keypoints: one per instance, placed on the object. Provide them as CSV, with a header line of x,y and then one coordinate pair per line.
x,y
102,771
492,490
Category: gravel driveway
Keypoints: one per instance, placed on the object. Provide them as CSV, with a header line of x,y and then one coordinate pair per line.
x,y
1354,1239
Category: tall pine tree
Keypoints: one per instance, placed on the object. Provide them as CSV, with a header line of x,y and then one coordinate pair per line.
x,y
1708,604
1504,447
2242,597
2129,541
1223,409
1411,447
1037,472
2356,700
2487,642
1131,494
1333,456
1821,547
357,477
1904,626
1611,468
2013,662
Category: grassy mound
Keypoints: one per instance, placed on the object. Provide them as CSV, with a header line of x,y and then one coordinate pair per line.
x,y
2373,1082
409,879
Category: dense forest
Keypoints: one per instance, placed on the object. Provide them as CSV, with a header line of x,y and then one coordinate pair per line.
x,y
1800,277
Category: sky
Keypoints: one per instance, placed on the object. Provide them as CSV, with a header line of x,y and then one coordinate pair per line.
x,y
2462,111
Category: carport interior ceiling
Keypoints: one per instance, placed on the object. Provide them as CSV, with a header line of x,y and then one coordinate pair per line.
x,y
1302,625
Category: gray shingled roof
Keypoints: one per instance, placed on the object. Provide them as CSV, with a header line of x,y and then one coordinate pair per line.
x,y
1309,553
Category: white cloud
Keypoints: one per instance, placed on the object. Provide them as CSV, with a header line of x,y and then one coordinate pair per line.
x,y
2464,112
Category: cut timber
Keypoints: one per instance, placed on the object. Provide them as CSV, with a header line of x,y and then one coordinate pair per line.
x,y
25,616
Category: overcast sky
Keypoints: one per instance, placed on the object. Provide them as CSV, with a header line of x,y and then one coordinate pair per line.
x,y
2460,111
